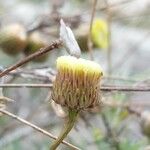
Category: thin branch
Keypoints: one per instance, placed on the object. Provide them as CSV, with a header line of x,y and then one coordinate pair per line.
x,y
109,52
35,73
114,104
52,19
29,76
42,74
26,85
36,128
126,88
89,43
55,44
105,88
74,20
124,79
48,74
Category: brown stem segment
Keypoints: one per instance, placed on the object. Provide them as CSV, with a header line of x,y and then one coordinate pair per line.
x,y
72,116
53,45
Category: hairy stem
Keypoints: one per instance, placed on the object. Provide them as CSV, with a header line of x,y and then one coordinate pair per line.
x,y
72,116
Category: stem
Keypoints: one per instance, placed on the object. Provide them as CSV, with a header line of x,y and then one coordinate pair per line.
x,y
89,42
109,53
72,116
44,132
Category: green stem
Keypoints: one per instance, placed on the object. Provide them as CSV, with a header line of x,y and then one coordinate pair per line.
x,y
67,128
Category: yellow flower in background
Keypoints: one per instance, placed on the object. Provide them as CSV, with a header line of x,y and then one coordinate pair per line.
x,y
100,33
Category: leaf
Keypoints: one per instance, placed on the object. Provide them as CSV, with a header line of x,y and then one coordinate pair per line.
x,y
69,40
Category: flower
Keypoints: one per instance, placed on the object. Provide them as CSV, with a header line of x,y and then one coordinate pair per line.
x,y
13,39
34,42
77,83
100,33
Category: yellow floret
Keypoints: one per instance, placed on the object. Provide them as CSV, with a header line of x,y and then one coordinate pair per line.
x,y
73,63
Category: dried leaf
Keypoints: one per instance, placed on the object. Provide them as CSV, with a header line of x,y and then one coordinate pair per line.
x,y
58,110
69,40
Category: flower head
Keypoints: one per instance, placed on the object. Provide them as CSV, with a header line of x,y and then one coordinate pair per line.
x,y
100,33
13,38
77,83
34,42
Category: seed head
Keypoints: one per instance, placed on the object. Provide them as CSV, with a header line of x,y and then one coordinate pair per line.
x,y
77,83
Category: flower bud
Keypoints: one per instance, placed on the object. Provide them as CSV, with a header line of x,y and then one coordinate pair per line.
x,y
99,35
34,43
77,83
13,39
145,122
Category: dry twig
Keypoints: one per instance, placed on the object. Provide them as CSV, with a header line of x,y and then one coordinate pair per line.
x,y
36,128
109,52
55,44
104,88
90,44
114,104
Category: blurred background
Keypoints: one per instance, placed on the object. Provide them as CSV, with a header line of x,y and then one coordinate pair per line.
x,y
121,45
